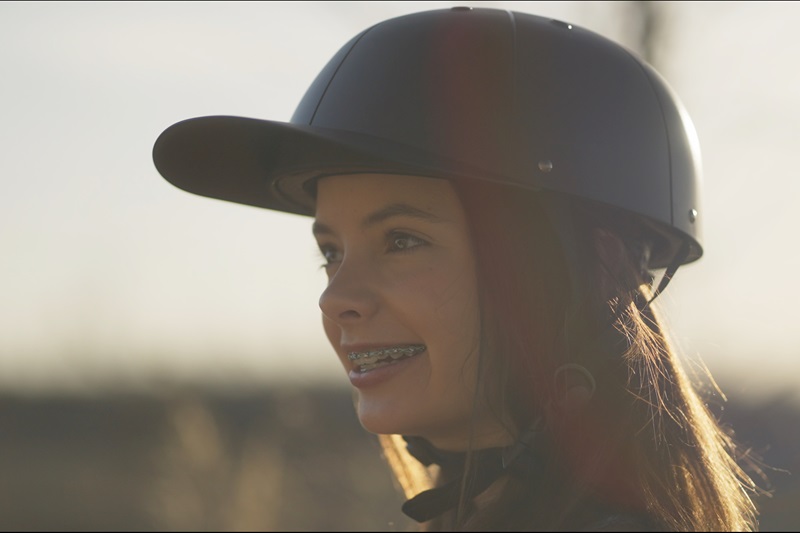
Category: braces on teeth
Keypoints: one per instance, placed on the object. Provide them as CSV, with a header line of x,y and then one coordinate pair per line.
x,y
395,353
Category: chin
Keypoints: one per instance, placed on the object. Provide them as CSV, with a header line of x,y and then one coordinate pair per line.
x,y
392,420
382,419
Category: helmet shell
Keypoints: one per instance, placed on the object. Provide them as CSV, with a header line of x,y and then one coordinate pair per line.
x,y
508,97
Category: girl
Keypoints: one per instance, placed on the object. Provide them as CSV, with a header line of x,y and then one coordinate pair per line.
x,y
492,192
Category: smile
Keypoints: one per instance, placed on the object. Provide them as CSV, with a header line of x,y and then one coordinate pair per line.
x,y
384,356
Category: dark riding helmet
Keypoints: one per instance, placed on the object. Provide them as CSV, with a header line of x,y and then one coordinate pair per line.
x,y
463,93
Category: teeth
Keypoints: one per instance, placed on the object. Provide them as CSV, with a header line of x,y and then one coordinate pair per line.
x,y
395,352
368,367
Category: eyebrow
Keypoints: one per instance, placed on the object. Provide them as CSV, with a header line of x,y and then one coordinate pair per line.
x,y
385,213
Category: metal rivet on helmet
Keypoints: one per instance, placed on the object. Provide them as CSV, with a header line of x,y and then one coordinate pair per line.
x,y
545,165
561,24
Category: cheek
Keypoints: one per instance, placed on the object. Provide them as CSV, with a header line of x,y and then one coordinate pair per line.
x,y
455,300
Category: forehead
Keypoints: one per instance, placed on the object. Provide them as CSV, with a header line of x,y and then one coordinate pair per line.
x,y
359,193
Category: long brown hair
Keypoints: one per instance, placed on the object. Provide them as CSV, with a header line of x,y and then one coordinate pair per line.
x,y
644,444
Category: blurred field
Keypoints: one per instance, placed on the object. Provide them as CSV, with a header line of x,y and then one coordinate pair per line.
x,y
279,460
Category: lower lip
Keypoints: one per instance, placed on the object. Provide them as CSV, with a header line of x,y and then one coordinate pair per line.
x,y
376,376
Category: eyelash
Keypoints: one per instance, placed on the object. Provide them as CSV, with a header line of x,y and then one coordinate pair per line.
x,y
324,251
392,238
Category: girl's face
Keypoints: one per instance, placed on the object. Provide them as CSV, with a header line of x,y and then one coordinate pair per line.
x,y
401,306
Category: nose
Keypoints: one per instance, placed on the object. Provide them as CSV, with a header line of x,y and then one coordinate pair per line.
x,y
349,296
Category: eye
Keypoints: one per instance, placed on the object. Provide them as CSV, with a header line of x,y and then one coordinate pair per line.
x,y
330,254
400,242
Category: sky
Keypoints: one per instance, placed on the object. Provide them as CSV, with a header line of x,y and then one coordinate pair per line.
x,y
110,277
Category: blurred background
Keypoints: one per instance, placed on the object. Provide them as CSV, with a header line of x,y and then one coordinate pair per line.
x,y
162,362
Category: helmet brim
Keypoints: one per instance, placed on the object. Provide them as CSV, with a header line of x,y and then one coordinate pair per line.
x,y
274,165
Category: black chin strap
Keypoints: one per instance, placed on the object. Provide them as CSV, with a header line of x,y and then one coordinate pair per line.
x,y
677,261
489,463
559,211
